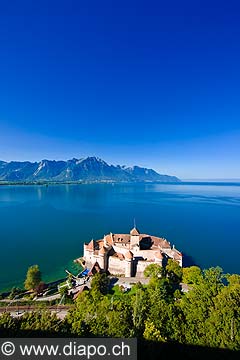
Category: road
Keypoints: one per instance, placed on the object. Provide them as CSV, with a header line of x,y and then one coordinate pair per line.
x,y
17,311
129,281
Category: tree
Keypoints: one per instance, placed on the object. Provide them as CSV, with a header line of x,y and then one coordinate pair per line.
x,y
140,309
174,271
233,279
33,278
153,270
192,275
224,318
100,284
152,333
41,287
213,277
198,306
8,325
14,293
119,317
82,314
40,321
63,290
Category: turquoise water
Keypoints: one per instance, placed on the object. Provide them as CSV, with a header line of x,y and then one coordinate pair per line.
x,y
48,225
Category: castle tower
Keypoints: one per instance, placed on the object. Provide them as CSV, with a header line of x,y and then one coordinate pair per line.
x,y
105,240
103,258
134,236
89,251
128,264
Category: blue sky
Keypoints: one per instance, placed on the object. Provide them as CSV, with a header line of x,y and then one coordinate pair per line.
x,y
153,83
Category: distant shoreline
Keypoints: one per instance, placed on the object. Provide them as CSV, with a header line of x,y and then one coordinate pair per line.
x,y
83,182
219,182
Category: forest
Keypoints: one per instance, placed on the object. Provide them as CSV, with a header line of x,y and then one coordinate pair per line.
x,y
163,317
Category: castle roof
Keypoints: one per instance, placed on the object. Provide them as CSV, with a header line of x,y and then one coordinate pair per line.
x,y
91,245
121,238
129,255
125,240
158,255
102,251
177,255
160,242
157,242
108,238
134,231
94,269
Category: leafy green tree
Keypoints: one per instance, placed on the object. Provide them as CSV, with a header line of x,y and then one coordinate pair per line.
x,y
162,316
152,333
63,291
119,318
100,284
192,275
197,306
15,292
233,279
224,318
42,320
140,307
214,277
80,317
174,271
8,325
153,271
161,289
33,278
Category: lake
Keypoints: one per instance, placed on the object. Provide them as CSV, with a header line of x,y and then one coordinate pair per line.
x,y
47,225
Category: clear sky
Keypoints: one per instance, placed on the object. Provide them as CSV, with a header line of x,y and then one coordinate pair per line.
x,y
152,83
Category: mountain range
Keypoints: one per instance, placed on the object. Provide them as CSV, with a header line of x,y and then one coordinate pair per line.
x,y
77,170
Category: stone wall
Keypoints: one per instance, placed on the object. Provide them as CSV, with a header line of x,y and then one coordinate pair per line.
x,y
89,258
116,266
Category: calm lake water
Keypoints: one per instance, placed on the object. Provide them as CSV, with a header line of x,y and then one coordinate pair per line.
x,y
48,225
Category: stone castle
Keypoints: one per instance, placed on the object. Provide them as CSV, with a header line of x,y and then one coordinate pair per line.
x,y
129,254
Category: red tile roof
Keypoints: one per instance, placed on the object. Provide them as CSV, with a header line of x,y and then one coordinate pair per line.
x,y
134,231
177,255
121,238
91,245
94,269
129,255
158,255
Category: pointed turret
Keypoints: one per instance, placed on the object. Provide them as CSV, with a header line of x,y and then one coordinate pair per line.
x,y
135,232
128,263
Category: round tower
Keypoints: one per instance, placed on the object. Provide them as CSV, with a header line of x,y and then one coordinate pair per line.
x,y
102,258
128,264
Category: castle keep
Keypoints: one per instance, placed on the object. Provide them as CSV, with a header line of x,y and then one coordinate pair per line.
x,y
129,254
